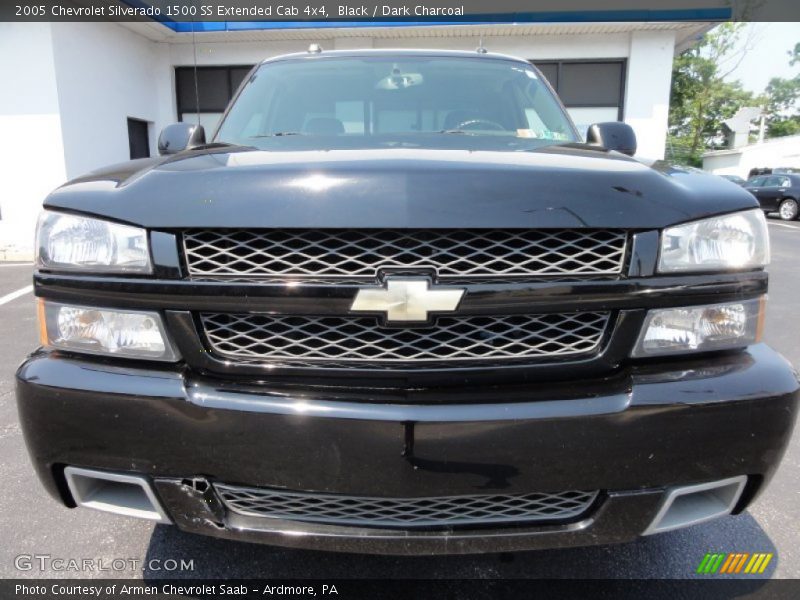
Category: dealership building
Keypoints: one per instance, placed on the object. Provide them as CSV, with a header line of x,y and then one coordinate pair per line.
x,y
77,96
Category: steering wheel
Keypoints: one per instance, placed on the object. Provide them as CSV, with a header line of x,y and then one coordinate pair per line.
x,y
470,124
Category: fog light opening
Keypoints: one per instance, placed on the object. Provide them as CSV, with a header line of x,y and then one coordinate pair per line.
x,y
692,504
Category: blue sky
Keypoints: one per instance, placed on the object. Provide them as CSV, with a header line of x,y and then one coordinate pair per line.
x,y
767,58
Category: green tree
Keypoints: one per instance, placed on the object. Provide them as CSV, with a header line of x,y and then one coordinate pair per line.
x,y
781,107
782,104
701,98
794,55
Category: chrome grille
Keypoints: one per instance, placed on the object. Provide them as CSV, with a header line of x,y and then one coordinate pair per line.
x,y
363,339
440,511
363,253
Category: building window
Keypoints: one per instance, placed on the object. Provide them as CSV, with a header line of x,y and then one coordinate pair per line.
x,y
138,138
593,91
215,88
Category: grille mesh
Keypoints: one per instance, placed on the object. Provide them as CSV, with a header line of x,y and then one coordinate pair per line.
x,y
362,339
362,253
442,511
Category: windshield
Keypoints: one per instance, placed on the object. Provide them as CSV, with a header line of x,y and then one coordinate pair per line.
x,y
378,97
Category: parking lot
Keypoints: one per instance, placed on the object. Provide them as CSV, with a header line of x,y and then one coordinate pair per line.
x,y
33,523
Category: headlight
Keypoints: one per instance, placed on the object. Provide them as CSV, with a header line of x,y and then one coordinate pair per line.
x,y
132,334
736,241
80,243
701,328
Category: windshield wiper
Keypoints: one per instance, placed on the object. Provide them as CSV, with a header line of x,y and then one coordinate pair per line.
x,y
457,131
212,145
277,134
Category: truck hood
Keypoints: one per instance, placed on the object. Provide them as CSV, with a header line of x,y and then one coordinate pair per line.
x,y
570,186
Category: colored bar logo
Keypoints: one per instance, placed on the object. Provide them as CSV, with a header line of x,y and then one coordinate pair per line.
x,y
742,563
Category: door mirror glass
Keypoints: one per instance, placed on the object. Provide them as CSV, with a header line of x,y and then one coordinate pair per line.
x,y
180,136
613,135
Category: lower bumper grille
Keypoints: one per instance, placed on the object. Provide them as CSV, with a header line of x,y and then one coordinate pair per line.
x,y
362,340
440,511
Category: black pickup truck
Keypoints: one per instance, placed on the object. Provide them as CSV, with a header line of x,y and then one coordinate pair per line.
x,y
396,305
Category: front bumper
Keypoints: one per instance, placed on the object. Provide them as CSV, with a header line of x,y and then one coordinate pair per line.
x,y
630,435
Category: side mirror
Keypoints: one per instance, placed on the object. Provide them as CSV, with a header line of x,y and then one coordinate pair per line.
x,y
613,136
180,136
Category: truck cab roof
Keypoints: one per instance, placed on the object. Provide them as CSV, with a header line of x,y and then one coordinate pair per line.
x,y
392,52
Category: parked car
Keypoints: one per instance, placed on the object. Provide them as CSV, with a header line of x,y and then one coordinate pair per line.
x,y
735,179
777,193
396,305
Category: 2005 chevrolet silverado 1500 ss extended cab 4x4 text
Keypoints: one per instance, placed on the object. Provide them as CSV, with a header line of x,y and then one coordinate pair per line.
x,y
396,305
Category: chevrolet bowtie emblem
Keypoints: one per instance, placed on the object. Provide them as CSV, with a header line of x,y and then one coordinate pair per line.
x,y
407,300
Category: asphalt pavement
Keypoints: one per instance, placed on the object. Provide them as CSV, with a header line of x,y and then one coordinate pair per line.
x,y
31,523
